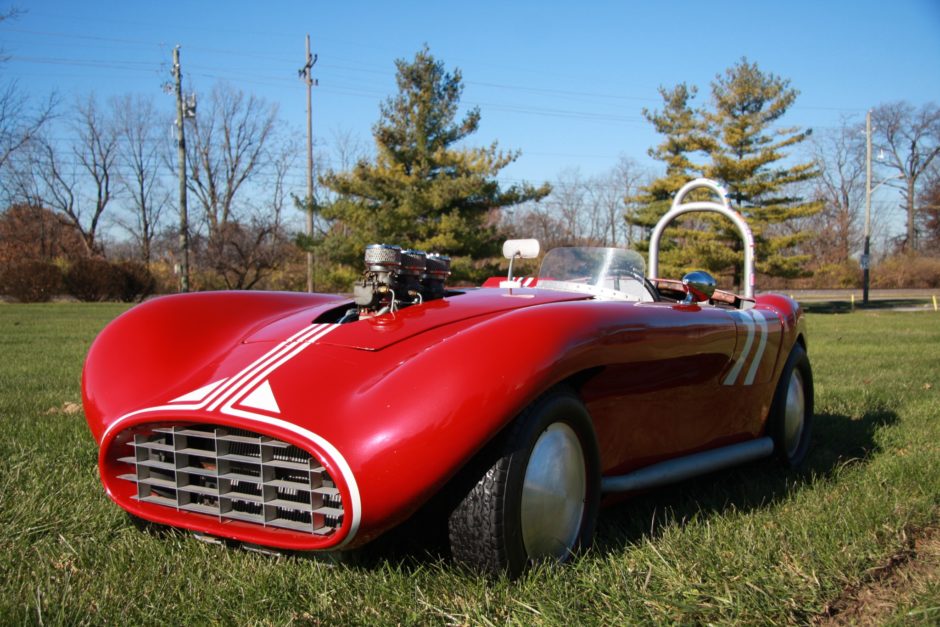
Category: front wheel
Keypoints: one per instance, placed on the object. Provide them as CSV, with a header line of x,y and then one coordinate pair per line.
x,y
539,499
791,414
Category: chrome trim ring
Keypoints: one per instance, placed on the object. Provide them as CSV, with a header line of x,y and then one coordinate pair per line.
x,y
794,418
553,494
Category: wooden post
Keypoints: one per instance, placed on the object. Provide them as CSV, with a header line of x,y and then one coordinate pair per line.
x,y
181,156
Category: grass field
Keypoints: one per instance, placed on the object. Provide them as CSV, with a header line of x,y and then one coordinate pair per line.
x,y
752,545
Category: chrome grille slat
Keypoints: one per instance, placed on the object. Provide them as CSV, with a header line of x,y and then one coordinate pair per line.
x,y
154,481
247,517
156,498
289,524
289,485
198,452
200,489
233,474
281,463
232,457
199,508
291,505
202,472
155,463
155,446
199,433
241,439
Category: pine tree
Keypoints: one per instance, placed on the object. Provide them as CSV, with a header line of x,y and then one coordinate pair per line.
x,y
685,137
743,150
422,190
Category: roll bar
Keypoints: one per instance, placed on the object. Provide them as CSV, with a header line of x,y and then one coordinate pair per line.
x,y
724,208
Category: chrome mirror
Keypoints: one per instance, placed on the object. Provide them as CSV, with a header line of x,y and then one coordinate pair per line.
x,y
701,286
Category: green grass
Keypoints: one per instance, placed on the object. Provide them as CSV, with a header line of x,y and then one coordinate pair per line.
x,y
753,545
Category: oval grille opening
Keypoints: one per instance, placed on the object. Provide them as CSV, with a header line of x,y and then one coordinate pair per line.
x,y
233,474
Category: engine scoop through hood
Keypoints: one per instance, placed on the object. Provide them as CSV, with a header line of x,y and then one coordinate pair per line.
x,y
376,333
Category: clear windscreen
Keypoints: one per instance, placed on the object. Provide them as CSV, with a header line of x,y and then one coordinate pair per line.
x,y
606,273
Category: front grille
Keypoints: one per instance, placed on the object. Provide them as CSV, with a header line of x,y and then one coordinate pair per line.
x,y
233,474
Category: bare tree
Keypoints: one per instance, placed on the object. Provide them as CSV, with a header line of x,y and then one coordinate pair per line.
x,y
569,204
227,148
19,123
258,243
78,185
231,147
930,209
537,220
140,154
840,157
910,140
620,183
580,210
346,149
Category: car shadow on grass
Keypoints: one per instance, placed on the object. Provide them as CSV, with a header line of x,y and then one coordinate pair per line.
x,y
838,441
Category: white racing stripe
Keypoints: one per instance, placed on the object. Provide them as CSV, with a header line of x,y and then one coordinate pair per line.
x,y
736,370
752,371
753,321
301,339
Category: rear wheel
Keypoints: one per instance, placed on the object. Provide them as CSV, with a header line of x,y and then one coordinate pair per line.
x,y
791,414
539,499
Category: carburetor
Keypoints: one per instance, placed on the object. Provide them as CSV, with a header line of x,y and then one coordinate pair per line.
x,y
396,278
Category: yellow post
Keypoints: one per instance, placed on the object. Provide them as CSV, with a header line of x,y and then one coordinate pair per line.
x,y
935,302
853,301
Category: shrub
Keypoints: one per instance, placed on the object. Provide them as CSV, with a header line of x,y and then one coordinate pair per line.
x,y
31,281
94,279
907,271
138,282
837,275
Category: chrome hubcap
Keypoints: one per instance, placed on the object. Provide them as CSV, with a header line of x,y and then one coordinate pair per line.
x,y
795,413
553,494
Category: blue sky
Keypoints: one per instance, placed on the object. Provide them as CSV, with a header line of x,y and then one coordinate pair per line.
x,y
563,82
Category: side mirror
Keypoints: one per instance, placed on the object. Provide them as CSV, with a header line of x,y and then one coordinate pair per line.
x,y
522,248
701,286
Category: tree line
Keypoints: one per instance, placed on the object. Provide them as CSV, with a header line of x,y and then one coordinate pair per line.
x,y
424,185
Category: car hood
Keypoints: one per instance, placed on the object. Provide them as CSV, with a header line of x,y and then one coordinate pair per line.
x,y
380,332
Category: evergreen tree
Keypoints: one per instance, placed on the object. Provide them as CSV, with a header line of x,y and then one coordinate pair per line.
x,y
744,151
685,137
423,189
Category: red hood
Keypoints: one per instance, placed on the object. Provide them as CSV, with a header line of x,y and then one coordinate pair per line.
x,y
383,331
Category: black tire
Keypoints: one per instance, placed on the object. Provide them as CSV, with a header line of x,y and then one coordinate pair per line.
x,y
790,422
500,526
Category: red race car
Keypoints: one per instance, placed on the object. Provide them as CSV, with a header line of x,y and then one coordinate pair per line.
x,y
316,423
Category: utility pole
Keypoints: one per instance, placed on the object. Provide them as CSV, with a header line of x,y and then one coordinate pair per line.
x,y
866,259
181,154
305,75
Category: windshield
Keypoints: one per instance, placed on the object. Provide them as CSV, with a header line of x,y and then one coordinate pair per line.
x,y
606,273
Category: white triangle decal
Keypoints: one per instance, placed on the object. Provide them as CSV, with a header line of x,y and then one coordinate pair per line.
x,y
262,397
197,395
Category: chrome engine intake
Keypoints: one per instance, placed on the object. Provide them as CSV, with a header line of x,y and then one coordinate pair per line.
x,y
394,278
